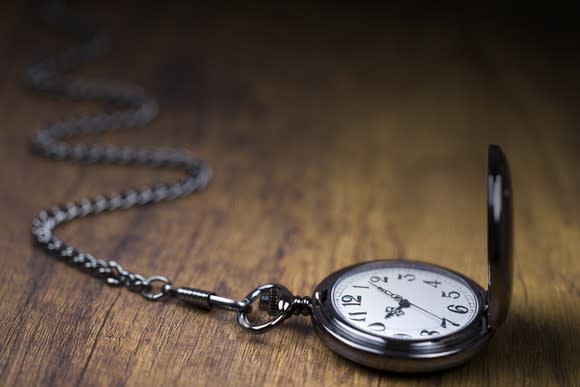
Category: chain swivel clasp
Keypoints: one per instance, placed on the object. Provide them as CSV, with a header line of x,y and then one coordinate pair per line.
x,y
278,302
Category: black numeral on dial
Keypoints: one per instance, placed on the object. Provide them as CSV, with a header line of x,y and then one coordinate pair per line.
x,y
378,326
376,278
457,309
445,321
408,277
425,332
351,300
433,283
455,295
358,316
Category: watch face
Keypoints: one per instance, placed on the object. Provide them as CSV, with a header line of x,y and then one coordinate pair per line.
x,y
405,301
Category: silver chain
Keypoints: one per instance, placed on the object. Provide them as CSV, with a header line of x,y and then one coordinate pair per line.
x,y
139,109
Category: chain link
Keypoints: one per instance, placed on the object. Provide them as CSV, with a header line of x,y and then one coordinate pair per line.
x,y
138,109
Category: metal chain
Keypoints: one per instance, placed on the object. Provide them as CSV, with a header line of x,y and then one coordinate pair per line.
x,y
139,109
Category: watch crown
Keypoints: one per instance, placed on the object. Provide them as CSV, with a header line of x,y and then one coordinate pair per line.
x,y
275,300
269,301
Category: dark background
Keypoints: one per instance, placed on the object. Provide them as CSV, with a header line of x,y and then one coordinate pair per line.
x,y
338,134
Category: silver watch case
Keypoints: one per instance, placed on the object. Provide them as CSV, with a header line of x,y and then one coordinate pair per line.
x,y
432,354
392,354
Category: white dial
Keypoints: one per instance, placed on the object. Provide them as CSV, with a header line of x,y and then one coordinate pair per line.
x,y
405,302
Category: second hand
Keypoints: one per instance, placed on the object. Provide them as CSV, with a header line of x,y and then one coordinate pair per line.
x,y
405,303
425,310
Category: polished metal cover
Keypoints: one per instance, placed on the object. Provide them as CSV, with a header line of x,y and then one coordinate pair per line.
x,y
499,236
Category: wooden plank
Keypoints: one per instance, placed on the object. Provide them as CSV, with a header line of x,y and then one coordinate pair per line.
x,y
336,138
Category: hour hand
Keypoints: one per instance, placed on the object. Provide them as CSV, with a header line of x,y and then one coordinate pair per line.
x,y
392,311
394,296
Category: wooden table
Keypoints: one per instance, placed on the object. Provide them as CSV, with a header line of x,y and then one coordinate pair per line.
x,y
336,135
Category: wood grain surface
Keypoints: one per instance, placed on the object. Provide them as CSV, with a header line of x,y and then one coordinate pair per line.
x,y
337,135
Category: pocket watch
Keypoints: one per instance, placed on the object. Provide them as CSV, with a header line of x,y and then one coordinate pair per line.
x,y
394,315
408,316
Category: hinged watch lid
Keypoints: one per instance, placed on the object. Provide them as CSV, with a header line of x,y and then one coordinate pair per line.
x,y
499,236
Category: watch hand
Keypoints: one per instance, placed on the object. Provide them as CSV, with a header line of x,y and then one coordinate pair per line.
x,y
425,310
403,302
391,311
394,296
